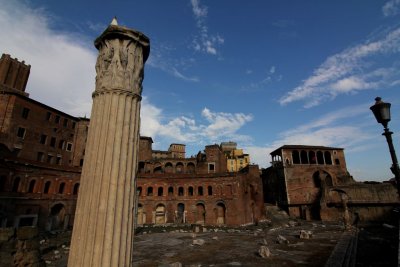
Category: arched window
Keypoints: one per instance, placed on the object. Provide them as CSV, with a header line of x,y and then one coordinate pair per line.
x,y
190,167
139,190
304,157
47,187
320,158
312,157
328,158
15,186
190,191
157,169
168,168
160,191
31,186
200,190
209,189
180,191
170,191
150,191
179,167
61,188
141,167
295,157
316,180
76,189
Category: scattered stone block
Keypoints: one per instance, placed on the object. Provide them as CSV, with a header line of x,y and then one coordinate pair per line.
x,y
198,242
215,238
304,234
176,264
264,252
281,240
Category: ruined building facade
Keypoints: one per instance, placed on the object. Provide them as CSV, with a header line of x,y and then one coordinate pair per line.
x,y
41,151
196,190
312,182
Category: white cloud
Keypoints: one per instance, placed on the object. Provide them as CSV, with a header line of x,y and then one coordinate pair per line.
x,y
272,70
219,126
204,41
391,8
62,65
349,71
198,11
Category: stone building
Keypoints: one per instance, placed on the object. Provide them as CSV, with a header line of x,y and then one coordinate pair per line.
x,y
42,149
196,190
312,182
235,158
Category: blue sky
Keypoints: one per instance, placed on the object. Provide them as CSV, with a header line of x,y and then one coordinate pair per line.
x,y
260,73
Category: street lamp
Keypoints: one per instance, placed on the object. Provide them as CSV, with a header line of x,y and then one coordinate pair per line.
x,y
381,112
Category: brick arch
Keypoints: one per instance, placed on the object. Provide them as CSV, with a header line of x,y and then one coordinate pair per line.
x,y
32,185
47,185
168,167
158,168
190,167
179,167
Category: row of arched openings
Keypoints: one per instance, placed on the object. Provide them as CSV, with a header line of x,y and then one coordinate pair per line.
x,y
168,167
181,191
312,157
16,184
160,214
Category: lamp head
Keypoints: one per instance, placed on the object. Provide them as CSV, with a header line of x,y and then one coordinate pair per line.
x,y
381,111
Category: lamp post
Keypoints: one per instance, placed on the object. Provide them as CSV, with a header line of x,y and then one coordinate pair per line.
x,y
381,112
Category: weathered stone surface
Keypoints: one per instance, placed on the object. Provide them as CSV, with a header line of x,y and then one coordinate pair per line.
x,y
264,252
176,264
104,219
6,233
27,232
198,242
304,234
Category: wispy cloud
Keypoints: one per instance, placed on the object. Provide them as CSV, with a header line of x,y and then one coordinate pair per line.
x,y
69,60
391,8
160,58
270,76
330,129
216,127
356,68
204,41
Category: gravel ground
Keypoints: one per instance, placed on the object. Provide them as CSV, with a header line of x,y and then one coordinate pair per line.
x,y
175,246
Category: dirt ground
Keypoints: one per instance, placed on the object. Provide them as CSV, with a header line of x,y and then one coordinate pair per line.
x,y
238,247
175,246
172,246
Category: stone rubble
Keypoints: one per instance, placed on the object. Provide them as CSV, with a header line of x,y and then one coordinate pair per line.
x,y
264,252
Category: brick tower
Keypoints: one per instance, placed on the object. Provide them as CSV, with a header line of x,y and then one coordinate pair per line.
x,y
104,218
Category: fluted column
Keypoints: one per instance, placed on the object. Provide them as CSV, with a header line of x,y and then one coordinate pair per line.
x,y
104,217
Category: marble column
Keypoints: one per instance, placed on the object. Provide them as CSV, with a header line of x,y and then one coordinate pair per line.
x,y
104,217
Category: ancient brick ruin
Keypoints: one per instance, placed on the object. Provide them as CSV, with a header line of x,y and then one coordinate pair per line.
x,y
43,149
